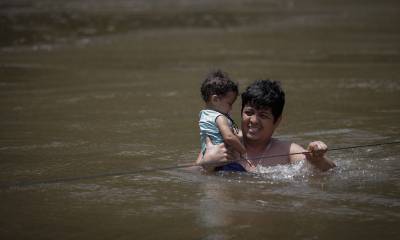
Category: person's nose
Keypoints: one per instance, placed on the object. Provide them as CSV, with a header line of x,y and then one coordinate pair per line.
x,y
254,119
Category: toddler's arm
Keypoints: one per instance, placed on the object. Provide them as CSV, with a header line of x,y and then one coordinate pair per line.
x,y
240,134
229,137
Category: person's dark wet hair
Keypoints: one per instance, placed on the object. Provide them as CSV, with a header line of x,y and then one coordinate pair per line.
x,y
217,83
265,94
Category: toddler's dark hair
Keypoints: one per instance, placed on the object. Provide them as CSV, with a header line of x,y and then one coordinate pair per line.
x,y
265,94
217,83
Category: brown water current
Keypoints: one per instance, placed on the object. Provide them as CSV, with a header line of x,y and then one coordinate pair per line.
x,y
96,87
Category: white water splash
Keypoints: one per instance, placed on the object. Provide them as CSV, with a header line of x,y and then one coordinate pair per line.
x,y
287,172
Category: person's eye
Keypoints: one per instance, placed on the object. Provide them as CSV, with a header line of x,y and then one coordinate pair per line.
x,y
265,116
248,113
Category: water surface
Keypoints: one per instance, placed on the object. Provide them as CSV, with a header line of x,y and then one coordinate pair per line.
x,y
89,88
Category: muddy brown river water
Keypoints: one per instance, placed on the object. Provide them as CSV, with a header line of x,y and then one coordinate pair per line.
x,y
96,87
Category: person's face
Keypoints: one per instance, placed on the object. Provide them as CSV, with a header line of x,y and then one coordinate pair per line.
x,y
224,103
258,124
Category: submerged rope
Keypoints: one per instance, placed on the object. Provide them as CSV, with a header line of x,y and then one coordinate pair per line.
x,y
179,166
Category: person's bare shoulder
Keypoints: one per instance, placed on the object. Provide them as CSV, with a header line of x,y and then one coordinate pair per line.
x,y
296,148
282,145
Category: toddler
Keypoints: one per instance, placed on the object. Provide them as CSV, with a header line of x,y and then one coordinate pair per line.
x,y
219,93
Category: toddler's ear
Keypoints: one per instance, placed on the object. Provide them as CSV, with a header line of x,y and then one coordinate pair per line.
x,y
214,98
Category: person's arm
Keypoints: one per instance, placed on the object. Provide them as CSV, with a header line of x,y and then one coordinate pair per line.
x,y
229,137
214,156
316,155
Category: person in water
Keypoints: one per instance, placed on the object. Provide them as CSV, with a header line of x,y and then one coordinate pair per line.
x,y
219,93
262,106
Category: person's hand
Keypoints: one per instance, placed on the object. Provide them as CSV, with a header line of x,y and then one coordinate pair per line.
x,y
214,156
317,157
215,153
316,151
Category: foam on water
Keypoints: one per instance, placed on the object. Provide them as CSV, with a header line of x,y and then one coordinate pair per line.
x,y
289,172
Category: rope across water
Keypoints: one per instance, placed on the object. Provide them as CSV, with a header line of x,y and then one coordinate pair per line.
x,y
179,166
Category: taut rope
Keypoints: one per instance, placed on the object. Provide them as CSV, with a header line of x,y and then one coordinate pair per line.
x,y
144,170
